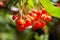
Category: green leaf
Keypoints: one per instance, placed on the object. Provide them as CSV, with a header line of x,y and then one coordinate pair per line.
x,y
24,1
30,2
50,8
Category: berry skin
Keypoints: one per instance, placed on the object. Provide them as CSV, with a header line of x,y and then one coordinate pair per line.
x,y
34,10
48,18
36,25
14,17
33,15
1,4
43,16
27,22
37,13
42,24
21,28
43,11
30,17
20,22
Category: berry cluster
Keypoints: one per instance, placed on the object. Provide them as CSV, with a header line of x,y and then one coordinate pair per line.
x,y
36,18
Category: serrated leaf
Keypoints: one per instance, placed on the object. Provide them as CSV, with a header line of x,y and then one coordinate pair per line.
x,y
50,8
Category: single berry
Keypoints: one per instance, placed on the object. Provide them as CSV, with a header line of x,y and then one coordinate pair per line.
x,y
28,22
34,10
48,18
30,17
36,25
20,22
1,4
42,24
43,16
43,11
33,15
14,17
37,14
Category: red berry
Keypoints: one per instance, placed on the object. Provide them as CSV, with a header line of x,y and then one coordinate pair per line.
x,y
21,28
28,22
36,25
30,17
34,10
14,17
43,11
20,22
40,11
33,15
42,24
43,16
48,18
37,13
1,4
